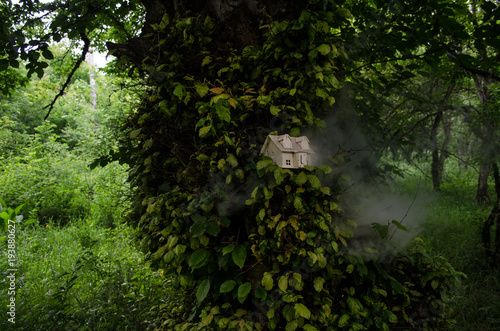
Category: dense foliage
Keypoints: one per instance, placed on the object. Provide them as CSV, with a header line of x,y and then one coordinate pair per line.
x,y
253,245
257,245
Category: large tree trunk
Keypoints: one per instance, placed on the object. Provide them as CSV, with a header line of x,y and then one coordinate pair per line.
x,y
482,195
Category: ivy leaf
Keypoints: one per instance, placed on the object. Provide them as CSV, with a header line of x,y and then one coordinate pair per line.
x,y
264,163
228,249
203,289
212,228
343,320
180,91
302,310
223,110
324,49
198,258
283,283
314,181
300,179
261,293
297,203
243,291
239,255
267,281
198,218
227,286
318,284
201,89
204,131
274,110
197,229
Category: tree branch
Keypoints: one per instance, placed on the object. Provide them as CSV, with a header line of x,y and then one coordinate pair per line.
x,y
85,50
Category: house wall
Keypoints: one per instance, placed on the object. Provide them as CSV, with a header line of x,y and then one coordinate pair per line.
x,y
301,159
288,157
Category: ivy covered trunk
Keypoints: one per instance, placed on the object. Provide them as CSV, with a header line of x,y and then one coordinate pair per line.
x,y
253,245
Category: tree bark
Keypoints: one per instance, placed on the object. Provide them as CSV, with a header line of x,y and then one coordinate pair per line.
x,y
436,182
482,195
485,135
492,249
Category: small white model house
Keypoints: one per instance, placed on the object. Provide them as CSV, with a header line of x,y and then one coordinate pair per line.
x,y
286,151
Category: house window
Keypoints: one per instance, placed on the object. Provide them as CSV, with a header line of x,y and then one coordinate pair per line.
x,y
288,162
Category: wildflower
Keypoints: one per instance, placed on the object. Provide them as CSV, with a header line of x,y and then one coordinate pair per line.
x,y
47,226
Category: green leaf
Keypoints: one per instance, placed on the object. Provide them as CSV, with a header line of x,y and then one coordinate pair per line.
x,y
197,229
180,91
201,89
314,181
204,131
266,161
275,110
243,291
47,54
212,228
198,258
135,133
343,320
297,203
223,110
228,249
227,286
396,286
318,284
300,179
302,310
267,281
283,283
198,218
309,327
203,289
324,49
239,255
261,293
399,226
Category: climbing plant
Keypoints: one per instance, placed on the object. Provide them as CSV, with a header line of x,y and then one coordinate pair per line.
x,y
251,244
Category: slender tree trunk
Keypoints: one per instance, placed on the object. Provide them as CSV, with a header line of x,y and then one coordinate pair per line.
x,y
444,154
436,182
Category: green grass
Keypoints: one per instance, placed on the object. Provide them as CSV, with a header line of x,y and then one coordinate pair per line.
x,y
452,229
82,277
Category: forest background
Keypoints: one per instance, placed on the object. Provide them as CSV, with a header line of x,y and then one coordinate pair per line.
x,y
412,145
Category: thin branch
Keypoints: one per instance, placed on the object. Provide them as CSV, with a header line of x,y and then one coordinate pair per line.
x,y
85,50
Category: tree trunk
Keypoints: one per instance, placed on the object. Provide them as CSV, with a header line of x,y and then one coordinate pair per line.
x,y
482,195
436,182
485,135
492,249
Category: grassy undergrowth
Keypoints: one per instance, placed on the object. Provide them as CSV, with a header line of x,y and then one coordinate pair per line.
x,y
82,277
452,229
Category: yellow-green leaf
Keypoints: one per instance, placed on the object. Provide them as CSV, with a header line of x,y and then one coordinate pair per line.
x,y
302,310
267,281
